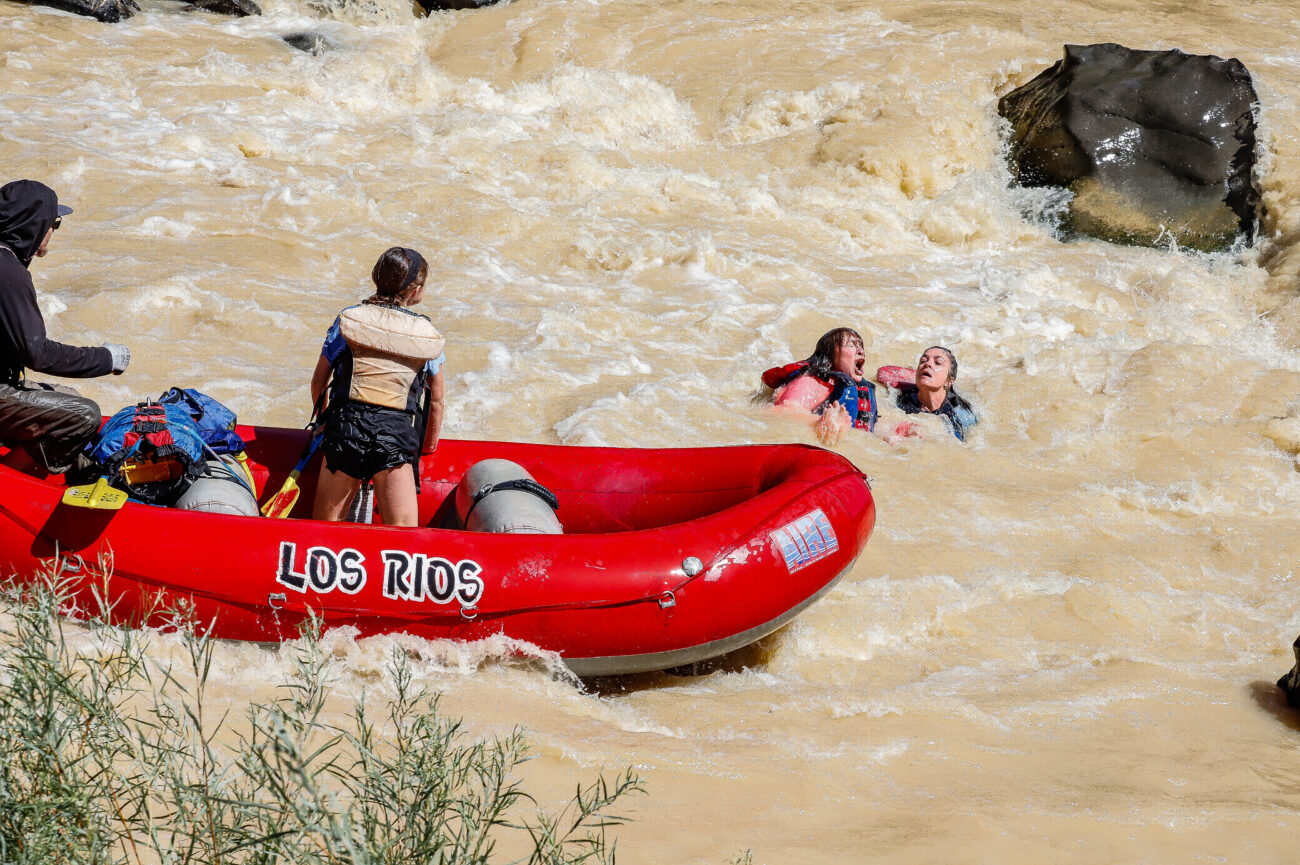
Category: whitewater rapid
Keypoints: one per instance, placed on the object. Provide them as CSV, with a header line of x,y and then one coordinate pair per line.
x,y
1060,642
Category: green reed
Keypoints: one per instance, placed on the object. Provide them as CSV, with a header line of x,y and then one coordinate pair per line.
x,y
108,755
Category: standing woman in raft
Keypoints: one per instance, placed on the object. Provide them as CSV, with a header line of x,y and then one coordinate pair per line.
x,y
934,393
384,407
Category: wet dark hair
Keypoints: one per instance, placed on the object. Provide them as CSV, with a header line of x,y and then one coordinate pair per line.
x,y
824,353
397,270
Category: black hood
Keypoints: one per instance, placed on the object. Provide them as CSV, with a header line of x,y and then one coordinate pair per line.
x,y
27,210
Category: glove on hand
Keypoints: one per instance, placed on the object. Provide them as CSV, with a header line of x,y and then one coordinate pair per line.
x,y
121,356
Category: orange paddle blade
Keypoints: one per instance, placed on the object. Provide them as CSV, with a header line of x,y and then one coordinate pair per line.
x,y
280,504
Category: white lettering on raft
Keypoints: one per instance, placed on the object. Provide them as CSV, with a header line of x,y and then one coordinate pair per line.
x,y
407,576
417,577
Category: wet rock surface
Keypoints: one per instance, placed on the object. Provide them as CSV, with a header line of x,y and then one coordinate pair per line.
x,y
1155,145
437,5
239,8
311,43
109,11
1290,683
112,11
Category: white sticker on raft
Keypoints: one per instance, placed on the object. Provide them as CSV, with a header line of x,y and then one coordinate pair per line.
x,y
407,576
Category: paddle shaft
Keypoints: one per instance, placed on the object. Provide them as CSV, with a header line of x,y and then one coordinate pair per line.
x,y
282,502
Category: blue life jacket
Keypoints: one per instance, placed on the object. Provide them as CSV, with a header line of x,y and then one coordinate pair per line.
x,y
955,409
150,450
857,397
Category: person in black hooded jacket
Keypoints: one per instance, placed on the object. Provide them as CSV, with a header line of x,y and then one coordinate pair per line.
x,y
51,423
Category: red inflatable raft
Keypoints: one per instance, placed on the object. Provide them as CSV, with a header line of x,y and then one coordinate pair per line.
x,y
668,557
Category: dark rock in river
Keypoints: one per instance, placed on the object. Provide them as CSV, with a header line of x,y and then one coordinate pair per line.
x,y
239,8
1290,683
312,43
110,11
1153,144
435,5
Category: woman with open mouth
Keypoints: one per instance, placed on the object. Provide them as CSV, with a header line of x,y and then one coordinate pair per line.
x,y
830,384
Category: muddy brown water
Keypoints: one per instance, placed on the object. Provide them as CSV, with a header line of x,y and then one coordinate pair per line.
x,y
1060,643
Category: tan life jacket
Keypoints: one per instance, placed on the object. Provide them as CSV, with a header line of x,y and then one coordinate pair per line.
x,y
389,348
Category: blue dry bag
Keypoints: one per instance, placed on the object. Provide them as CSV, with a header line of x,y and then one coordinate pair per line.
x,y
150,450
216,423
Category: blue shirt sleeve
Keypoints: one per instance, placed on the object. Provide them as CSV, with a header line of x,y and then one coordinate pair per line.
x,y
431,367
963,419
334,343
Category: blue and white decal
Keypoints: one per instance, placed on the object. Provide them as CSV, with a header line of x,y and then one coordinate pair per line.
x,y
407,576
806,540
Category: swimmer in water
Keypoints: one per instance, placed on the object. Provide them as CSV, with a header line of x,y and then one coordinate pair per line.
x,y
830,384
934,393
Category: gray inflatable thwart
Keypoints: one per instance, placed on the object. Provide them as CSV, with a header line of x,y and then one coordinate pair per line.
x,y
219,492
488,500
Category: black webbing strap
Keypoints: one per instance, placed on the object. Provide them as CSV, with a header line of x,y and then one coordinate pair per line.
x,y
525,485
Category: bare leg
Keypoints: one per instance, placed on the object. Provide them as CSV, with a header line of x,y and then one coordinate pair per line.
x,y
334,491
395,495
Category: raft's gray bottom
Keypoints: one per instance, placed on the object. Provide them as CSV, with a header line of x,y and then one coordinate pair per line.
x,y
618,665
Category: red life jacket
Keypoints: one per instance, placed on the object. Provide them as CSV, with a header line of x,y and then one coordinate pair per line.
x,y
783,376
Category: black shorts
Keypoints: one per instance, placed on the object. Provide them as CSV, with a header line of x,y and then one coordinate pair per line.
x,y
362,440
